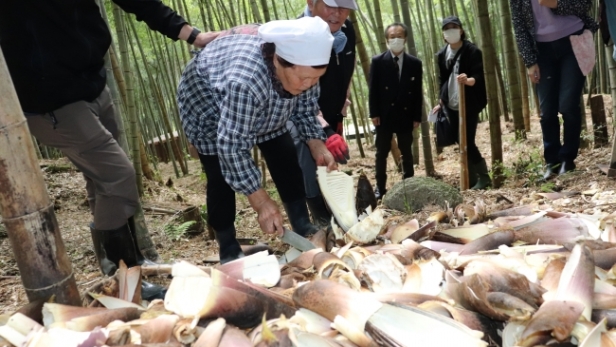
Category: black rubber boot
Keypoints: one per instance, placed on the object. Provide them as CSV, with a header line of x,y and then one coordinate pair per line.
x,y
483,177
299,218
149,291
229,248
111,246
320,214
141,260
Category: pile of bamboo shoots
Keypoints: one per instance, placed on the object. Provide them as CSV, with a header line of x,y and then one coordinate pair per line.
x,y
519,277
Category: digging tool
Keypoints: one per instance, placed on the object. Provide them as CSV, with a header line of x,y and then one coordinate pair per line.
x,y
464,183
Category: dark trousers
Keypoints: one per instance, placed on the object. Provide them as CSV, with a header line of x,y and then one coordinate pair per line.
x,y
281,159
472,119
383,146
560,87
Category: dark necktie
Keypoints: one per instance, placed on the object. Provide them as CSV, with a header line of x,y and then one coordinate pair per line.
x,y
397,67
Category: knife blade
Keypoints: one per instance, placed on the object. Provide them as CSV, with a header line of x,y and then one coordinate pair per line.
x,y
291,238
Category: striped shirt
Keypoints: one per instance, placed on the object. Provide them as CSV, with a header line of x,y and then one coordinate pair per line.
x,y
228,103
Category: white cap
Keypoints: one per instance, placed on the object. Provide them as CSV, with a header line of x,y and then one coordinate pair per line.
x,y
350,4
306,41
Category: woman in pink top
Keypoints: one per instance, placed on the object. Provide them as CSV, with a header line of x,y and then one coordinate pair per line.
x,y
544,32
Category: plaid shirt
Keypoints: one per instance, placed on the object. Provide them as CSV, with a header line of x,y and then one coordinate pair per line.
x,y
228,104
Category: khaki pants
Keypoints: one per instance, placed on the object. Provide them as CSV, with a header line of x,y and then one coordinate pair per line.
x,y
85,132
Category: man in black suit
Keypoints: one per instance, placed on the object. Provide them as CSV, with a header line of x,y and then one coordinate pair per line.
x,y
395,102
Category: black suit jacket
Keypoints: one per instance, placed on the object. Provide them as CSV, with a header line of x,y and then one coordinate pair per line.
x,y
397,102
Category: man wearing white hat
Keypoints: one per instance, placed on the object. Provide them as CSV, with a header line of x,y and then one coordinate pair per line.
x,y
238,93
334,86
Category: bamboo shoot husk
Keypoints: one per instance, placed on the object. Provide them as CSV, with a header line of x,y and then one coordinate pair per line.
x,y
337,189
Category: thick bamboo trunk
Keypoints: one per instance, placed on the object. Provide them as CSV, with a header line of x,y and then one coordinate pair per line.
x,y
525,93
488,64
36,240
513,77
612,65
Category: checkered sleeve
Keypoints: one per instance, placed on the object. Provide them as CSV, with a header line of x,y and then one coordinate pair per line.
x,y
236,138
304,115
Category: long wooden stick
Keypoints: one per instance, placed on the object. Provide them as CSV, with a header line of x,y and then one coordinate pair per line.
x,y
26,209
463,147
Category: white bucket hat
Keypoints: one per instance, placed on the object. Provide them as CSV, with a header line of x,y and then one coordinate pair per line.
x,y
305,41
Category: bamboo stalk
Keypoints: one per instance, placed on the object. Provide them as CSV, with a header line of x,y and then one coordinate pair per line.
x,y
35,238
464,185
355,126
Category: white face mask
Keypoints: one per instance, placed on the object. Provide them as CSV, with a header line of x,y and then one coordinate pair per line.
x,y
395,45
452,35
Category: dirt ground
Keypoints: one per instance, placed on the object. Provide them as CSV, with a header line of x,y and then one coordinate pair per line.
x,y
522,161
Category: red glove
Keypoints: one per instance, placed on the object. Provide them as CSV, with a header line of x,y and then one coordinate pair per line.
x,y
338,148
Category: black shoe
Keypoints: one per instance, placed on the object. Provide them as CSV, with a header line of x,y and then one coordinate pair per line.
x,y
299,218
229,247
483,177
149,291
111,246
550,171
320,214
379,193
566,166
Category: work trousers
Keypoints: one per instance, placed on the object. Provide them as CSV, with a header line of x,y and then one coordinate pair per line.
x,y
86,133
560,87
383,147
281,159
306,163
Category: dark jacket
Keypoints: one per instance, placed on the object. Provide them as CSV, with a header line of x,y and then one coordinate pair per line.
x,y
524,23
397,102
54,49
335,82
471,63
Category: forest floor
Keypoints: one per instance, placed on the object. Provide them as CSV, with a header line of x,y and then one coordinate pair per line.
x,y
522,161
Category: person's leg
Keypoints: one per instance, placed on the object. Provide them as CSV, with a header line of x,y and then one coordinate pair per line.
x,y
405,144
83,132
220,200
474,156
77,131
479,177
383,146
281,159
571,85
107,117
316,204
548,91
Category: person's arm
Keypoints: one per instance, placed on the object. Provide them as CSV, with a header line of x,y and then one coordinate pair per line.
x,y
165,20
475,73
269,216
235,140
418,93
524,39
442,72
310,128
569,7
548,3
373,93
304,115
